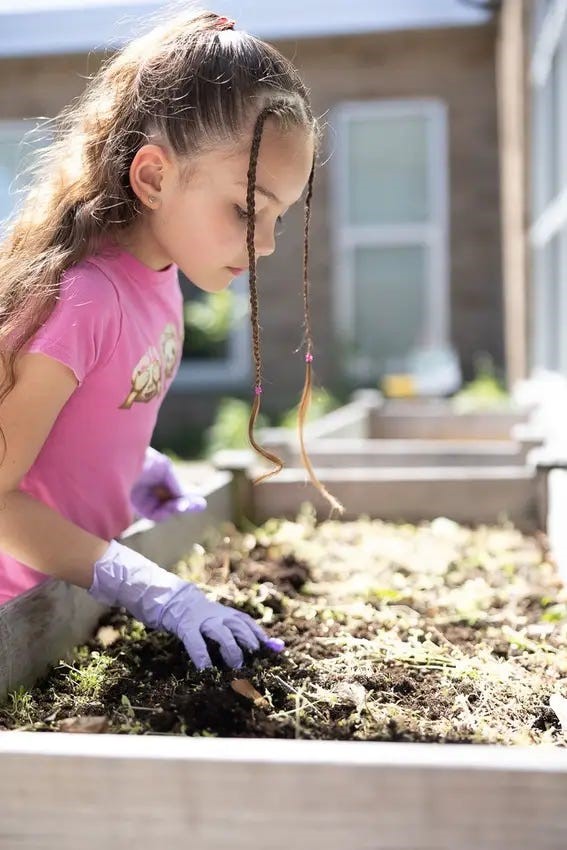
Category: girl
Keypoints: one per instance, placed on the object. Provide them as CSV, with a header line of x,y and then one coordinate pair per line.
x,y
183,153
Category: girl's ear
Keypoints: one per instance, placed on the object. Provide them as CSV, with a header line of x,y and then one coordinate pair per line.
x,y
146,173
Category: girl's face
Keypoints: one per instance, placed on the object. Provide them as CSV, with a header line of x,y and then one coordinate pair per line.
x,y
200,223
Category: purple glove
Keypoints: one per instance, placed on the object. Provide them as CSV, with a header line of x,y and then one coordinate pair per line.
x,y
160,599
158,494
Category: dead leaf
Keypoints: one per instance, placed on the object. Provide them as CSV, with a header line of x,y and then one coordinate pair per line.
x,y
245,688
92,724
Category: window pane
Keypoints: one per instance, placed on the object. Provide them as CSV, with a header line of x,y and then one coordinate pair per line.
x,y
561,105
538,13
388,170
546,147
390,302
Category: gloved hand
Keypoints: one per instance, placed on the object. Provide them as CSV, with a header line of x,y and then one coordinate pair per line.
x,y
160,599
158,493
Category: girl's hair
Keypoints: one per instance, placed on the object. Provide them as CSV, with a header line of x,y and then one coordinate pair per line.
x,y
197,84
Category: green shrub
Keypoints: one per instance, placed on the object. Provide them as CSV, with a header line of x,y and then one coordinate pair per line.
x,y
484,391
230,428
209,321
322,402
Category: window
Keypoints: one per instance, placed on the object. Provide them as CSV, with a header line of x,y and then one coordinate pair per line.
x,y
548,230
390,231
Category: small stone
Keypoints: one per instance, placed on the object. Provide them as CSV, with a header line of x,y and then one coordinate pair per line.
x,y
107,635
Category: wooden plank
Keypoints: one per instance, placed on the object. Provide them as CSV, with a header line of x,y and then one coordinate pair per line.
x,y
463,494
61,792
44,624
40,627
345,452
352,420
481,426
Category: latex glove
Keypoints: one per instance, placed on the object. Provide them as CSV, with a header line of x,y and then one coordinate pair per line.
x,y
158,493
160,599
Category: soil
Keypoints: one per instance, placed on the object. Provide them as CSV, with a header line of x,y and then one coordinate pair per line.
x,y
432,633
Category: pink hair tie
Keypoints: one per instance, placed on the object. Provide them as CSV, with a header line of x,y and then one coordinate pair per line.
x,y
223,23
309,358
258,389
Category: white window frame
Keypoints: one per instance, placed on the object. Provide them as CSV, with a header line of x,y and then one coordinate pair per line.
x,y
549,219
232,371
434,236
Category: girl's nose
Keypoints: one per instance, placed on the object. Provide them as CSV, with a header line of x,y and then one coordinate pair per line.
x,y
265,243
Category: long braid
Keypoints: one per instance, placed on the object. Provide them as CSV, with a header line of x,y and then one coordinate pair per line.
x,y
307,388
250,238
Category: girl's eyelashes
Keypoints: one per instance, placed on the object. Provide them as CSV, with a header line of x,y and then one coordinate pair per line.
x,y
243,216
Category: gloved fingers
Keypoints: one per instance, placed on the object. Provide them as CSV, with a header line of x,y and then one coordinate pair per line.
x,y
162,511
276,644
229,649
252,625
171,481
145,500
189,503
183,505
197,649
243,633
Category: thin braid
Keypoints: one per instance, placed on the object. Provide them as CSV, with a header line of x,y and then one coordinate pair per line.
x,y
307,219
250,238
306,395
307,388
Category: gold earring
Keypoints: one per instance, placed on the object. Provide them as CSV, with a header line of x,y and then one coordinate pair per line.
x,y
151,199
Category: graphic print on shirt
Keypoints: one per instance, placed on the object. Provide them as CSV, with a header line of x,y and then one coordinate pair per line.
x,y
154,368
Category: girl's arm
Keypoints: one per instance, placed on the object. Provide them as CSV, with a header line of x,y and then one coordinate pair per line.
x,y
39,536
30,531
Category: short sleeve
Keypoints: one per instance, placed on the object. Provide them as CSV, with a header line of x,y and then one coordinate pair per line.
x,y
84,327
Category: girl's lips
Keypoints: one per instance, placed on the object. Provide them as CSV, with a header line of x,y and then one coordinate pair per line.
x,y
234,270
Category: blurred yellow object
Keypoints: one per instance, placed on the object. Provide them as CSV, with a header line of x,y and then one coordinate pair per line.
x,y
399,386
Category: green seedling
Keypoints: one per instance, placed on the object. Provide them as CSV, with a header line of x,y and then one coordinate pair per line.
x,y
88,680
20,706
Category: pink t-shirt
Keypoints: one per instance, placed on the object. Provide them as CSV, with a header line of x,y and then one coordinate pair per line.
x,y
118,324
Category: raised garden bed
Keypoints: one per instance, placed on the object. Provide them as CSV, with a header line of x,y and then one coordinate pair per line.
x,y
437,635
434,633
369,417
400,641
413,460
